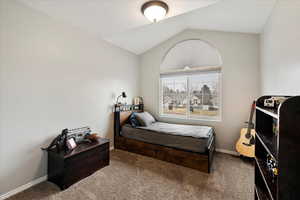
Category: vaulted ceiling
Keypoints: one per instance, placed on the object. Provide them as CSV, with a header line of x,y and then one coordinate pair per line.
x,y
121,22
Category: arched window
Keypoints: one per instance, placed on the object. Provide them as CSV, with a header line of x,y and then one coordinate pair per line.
x,y
190,81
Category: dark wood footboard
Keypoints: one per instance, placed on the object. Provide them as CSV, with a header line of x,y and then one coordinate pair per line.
x,y
198,161
211,152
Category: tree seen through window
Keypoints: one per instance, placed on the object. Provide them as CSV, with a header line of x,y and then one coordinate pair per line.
x,y
193,96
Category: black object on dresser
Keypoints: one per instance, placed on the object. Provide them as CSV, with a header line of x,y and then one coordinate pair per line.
x,y
277,150
66,168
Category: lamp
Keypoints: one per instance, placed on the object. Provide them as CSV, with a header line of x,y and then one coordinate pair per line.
x,y
155,10
122,95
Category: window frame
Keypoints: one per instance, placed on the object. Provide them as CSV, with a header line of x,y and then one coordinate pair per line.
x,y
188,116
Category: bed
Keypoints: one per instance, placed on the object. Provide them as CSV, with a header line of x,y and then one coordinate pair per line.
x,y
186,145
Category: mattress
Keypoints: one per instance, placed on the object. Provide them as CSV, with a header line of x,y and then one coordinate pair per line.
x,y
170,139
180,129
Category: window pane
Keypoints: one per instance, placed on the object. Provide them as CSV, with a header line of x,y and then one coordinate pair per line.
x,y
204,95
174,95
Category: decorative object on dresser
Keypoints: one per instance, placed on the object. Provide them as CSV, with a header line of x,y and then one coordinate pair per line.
x,y
201,161
277,148
93,137
66,168
68,138
79,134
71,144
246,143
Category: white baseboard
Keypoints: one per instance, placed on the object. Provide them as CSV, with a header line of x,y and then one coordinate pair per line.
x,y
29,185
23,187
227,152
44,178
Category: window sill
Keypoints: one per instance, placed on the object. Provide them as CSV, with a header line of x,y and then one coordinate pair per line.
x,y
190,119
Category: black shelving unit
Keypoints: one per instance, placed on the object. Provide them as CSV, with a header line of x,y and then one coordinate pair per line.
x,y
278,140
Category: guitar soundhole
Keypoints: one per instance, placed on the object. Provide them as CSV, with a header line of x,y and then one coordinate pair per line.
x,y
248,136
252,140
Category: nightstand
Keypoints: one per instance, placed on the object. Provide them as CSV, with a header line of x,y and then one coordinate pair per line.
x,y
67,168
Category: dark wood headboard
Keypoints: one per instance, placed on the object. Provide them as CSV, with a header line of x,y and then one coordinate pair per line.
x,y
121,115
124,117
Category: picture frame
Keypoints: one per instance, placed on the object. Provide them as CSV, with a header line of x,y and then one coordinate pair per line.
x,y
71,144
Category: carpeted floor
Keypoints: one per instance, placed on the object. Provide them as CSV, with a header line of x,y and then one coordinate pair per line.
x,y
133,177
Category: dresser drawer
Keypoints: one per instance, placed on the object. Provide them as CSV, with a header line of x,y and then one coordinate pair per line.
x,y
89,156
84,165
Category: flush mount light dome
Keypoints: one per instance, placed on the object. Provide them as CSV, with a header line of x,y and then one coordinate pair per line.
x,y
155,10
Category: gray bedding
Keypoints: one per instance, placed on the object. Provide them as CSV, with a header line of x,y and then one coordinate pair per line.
x,y
185,137
179,129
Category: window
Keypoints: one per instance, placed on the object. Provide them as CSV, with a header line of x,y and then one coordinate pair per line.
x,y
191,96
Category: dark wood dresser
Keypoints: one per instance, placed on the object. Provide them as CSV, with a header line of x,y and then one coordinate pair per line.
x,y
66,168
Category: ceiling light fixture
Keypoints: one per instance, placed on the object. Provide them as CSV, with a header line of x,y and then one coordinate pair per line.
x,y
155,10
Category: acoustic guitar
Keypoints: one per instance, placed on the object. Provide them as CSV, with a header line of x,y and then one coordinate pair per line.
x,y
246,144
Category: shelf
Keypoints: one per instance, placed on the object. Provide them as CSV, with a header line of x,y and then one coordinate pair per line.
x,y
267,144
260,194
256,194
127,107
268,111
266,177
277,132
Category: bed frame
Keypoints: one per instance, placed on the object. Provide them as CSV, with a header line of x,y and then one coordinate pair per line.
x,y
198,161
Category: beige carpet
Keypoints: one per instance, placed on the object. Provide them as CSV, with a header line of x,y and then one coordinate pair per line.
x,y
133,177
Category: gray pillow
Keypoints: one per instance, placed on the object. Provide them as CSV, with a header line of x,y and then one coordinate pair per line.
x,y
145,118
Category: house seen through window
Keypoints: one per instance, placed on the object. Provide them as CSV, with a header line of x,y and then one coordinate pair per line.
x,y
191,96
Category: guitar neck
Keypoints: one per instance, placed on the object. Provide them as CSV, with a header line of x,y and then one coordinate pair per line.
x,y
250,123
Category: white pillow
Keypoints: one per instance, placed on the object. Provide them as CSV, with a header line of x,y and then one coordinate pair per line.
x,y
145,118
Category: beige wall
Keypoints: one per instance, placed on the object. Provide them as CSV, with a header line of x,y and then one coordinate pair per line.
x,y
280,47
240,79
52,76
